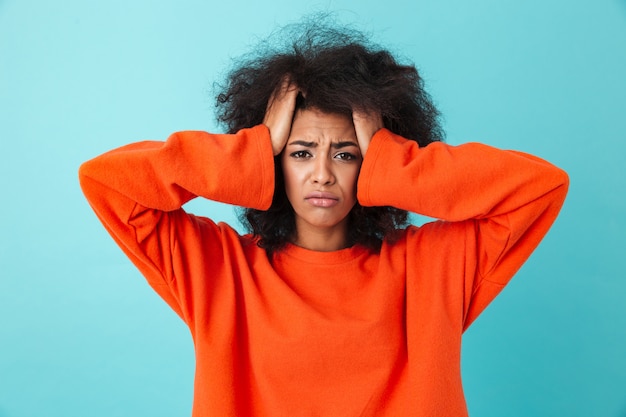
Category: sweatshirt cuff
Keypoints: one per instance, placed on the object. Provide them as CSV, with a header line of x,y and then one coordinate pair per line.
x,y
372,167
266,158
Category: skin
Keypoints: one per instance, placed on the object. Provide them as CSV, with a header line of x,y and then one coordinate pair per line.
x,y
321,163
321,158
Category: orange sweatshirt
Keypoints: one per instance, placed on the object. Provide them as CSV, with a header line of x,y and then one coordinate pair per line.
x,y
346,333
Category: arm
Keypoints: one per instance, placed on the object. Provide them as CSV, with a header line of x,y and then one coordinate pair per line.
x,y
137,192
504,201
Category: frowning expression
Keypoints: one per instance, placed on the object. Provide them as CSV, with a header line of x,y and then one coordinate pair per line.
x,y
321,163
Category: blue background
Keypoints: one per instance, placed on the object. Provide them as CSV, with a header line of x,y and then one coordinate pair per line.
x,y
81,334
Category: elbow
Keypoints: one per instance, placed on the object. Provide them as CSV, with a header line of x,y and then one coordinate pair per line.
x,y
86,178
562,180
559,187
82,171
563,177
83,175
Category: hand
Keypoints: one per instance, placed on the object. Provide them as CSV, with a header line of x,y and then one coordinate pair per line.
x,y
279,113
365,125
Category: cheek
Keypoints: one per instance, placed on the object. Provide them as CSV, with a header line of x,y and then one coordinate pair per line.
x,y
290,179
350,179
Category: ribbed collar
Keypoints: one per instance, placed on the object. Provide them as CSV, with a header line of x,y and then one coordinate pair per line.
x,y
322,258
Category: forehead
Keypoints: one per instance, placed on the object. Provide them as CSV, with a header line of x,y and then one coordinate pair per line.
x,y
314,123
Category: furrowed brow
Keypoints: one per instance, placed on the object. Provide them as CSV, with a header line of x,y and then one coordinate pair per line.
x,y
334,145
343,144
303,143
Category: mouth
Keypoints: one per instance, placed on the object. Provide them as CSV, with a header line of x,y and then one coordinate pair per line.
x,y
322,199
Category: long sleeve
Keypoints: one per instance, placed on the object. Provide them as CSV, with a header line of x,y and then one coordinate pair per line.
x,y
495,206
137,191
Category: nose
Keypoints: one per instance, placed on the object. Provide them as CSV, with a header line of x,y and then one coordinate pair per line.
x,y
322,172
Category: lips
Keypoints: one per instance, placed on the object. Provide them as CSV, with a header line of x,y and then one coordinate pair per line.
x,y
322,199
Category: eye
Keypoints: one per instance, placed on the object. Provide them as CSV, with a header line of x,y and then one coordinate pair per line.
x,y
300,154
346,156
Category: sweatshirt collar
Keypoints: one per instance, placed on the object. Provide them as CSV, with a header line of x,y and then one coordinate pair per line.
x,y
324,258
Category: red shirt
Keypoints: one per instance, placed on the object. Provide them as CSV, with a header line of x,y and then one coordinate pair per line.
x,y
346,333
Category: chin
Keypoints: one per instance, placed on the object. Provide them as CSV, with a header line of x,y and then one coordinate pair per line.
x,y
325,222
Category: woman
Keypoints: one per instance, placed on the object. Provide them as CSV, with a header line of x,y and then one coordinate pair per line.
x,y
331,306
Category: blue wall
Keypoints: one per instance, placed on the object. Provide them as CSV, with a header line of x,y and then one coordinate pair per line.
x,y
81,334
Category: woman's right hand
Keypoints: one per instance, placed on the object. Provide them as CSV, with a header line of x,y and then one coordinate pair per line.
x,y
279,113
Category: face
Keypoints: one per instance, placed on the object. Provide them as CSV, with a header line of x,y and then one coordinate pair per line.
x,y
321,163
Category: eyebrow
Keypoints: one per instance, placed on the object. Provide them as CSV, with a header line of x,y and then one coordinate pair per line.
x,y
334,145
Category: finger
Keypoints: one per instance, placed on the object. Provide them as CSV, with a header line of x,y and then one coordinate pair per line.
x,y
284,89
366,124
279,113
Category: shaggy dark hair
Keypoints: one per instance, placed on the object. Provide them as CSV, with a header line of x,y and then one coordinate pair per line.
x,y
338,70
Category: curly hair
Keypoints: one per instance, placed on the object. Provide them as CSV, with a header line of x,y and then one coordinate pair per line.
x,y
338,70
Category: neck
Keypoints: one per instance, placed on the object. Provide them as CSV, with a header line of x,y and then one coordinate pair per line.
x,y
321,239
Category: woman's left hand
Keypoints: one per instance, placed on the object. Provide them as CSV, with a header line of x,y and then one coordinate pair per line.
x,y
366,124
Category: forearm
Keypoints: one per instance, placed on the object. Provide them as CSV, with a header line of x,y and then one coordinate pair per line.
x,y
505,201
453,183
235,169
137,192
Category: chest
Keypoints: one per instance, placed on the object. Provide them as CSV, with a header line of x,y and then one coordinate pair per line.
x,y
325,335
